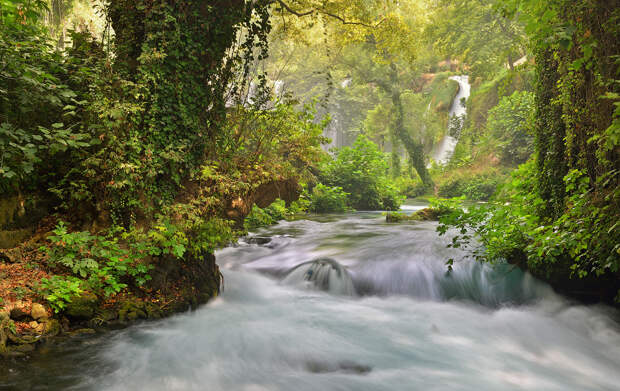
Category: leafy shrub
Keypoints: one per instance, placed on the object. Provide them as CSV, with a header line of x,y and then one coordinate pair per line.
x,y
257,218
362,172
326,199
409,188
270,215
42,94
60,290
509,123
98,260
478,187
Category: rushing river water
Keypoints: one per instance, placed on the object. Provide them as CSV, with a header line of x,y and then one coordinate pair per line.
x,y
380,314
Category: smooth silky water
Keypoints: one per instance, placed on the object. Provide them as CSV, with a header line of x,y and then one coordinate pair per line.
x,y
379,312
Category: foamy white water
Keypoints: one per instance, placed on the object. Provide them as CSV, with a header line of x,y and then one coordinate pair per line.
x,y
408,325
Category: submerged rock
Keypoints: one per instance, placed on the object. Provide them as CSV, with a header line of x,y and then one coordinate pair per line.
x,y
259,240
323,273
25,348
344,366
81,332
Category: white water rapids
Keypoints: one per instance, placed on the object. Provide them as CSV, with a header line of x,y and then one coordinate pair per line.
x,y
409,326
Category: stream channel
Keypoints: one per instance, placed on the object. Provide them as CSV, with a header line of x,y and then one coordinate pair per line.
x,y
377,312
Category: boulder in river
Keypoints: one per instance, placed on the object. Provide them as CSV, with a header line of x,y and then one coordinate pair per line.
x,y
322,273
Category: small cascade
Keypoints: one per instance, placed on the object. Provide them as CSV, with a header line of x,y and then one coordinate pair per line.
x,y
324,274
444,150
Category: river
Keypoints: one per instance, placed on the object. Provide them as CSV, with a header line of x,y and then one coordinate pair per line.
x,y
403,323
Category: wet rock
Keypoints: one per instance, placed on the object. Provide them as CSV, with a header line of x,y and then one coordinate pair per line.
x,y
38,311
82,307
25,348
103,317
51,327
7,353
81,332
152,311
344,366
131,311
260,240
22,340
4,330
427,214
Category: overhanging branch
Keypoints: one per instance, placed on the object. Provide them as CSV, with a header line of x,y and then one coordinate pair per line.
x,y
324,12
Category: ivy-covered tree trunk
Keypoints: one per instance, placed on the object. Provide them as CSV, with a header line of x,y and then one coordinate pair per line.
x,y
176,62
550,133
413,148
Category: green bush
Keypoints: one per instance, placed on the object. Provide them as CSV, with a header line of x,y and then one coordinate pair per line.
x,y
509,123
325,199
60,290
362,172
479,187
101,262
262,217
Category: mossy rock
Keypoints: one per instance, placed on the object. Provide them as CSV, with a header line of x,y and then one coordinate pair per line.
x,y
23,340
25,348
82,307
152,311
426,214
52,327
81,332
103,316
131,311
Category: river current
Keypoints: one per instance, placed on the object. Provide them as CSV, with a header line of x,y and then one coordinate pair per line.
x,y
381,312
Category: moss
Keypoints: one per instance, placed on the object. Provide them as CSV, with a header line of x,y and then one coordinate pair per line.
x,y
52,327
131,310
82,307
426,214
25,348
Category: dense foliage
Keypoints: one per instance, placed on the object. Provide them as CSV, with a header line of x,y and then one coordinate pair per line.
x,y
510,124
362,172
559,215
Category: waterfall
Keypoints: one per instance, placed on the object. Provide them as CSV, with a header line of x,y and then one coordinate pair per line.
x,y
444,150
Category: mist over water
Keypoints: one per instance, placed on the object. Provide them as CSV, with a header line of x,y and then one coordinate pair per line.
x,y
405,325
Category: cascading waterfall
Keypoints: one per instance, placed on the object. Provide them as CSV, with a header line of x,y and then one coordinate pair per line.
x,y
444,150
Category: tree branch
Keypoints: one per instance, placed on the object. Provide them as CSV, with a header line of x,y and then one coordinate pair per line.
x,y
324,12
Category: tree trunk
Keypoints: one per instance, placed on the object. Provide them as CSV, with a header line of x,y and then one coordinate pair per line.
x,y
414,149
